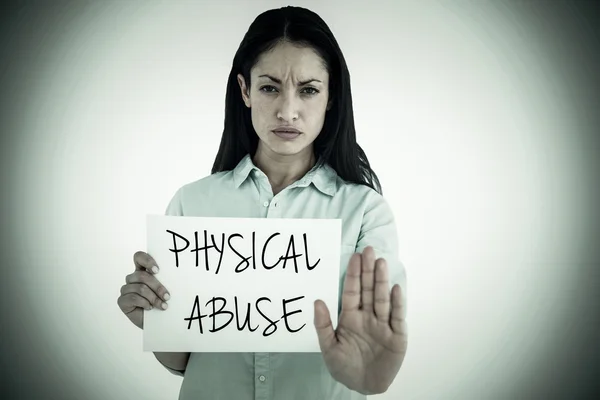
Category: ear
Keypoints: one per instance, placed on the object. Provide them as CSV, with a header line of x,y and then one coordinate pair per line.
x,y
329,104
245,90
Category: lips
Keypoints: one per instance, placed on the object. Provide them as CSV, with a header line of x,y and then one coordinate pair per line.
x,y
286,130
287,133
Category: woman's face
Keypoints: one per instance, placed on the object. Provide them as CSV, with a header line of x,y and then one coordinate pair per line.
x,y
289,90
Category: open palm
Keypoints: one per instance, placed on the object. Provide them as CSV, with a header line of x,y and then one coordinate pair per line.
x,y
366,350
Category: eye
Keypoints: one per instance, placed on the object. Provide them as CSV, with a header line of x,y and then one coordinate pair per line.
x,y
267,89
312,89
273,89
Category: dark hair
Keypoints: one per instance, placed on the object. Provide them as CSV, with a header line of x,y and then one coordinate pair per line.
x,y
336,143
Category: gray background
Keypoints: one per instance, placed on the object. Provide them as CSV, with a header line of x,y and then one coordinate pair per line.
x,y
481,119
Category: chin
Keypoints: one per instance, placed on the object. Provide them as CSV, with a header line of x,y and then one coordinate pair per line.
x,y
286,152
282,147
286,149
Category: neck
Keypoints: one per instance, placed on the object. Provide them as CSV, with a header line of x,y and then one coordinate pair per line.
x,y
283,170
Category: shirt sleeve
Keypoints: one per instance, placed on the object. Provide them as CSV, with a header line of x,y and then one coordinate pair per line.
x,y
175,206
174,209
379,231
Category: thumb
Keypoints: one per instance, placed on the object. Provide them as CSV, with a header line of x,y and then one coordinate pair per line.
x,y
324,327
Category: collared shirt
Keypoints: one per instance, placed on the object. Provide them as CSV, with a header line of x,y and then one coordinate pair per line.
x,y
245,192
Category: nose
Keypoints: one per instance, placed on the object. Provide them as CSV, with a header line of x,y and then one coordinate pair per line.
x,y
288,107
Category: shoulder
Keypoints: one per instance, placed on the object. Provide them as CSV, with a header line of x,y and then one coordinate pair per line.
x,y
199,186
193,192
368,198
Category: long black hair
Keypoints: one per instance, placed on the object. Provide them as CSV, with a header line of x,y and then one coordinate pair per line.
x,y
336,143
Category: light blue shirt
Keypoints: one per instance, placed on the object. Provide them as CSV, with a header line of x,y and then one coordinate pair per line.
x,y
245,192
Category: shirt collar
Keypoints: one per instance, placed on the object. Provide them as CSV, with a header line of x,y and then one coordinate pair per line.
x,y
322,176
242,170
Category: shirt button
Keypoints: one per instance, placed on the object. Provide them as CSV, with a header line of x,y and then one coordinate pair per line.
x,y
266,204
262,378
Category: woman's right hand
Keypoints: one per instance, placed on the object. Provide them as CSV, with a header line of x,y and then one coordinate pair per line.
x,y
142,291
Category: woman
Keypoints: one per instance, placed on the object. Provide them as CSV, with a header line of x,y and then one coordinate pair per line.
x,y
289,150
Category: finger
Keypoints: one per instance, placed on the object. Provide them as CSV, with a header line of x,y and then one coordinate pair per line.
x,y
143,261
130,301
382,291
144,291
150,281
351,293
324,327
398,313
367,278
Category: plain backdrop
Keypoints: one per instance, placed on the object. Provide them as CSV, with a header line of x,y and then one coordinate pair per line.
x,y
474,115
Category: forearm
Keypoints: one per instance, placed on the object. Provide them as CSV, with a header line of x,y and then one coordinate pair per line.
x,y
176,361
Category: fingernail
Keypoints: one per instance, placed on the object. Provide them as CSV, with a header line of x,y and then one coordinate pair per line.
x,y
164,306
167,296
155,269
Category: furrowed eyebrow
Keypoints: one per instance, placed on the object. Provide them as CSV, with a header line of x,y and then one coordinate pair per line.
x,y
279,80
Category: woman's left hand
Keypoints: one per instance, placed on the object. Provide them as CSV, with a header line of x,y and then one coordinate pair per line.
x,y
366,350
